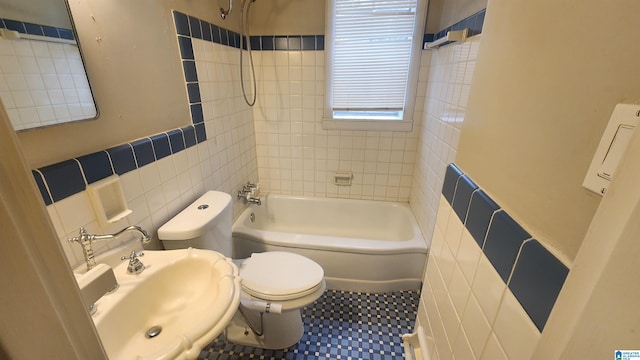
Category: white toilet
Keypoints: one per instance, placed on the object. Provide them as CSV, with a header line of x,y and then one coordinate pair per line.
x,y
275,285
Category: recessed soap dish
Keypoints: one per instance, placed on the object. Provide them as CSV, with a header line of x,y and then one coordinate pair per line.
x,y
108,200
343,178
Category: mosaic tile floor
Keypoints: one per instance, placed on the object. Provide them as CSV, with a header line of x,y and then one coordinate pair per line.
x,y
340,325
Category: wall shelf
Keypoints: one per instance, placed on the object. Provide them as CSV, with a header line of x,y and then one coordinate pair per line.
x,y
454,35
14,35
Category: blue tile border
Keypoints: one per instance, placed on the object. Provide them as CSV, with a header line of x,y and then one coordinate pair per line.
x,y
532,273
504,239
190,26
176,140
451,176
122,158
42,187
189,136
481,209
474,23
143,150
96,166
161,146
462,197
181,22
63,179
37,29
536,281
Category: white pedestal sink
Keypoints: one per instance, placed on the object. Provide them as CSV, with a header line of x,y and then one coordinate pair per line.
x,y
181,302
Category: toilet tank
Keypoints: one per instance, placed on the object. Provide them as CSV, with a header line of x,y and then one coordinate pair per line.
x,y
205,224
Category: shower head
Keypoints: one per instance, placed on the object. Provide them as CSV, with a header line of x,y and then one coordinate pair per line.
x,y
224,13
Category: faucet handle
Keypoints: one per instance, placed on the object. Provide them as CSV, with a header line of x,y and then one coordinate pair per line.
x,y
83,236
134,254
135,265
249,186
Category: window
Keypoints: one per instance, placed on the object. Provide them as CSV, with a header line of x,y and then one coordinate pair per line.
x,y
372,63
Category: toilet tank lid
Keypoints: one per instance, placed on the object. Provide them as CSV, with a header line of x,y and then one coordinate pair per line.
x,y
192,221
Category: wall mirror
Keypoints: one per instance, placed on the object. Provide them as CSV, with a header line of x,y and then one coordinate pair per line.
x,y
43,81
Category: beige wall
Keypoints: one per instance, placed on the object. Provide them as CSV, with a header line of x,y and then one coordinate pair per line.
x,y
131,54
43,12
40,301
444,13
602,278
287,17
548,76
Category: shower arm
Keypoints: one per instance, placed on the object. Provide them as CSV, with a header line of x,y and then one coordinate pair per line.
x,y
224,13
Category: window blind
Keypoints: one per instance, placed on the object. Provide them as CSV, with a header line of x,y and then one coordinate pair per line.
x,y
372,56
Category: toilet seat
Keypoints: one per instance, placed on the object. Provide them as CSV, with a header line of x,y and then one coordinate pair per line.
x,y
279,275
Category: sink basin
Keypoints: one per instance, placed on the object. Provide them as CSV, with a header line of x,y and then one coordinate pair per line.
x,y
181,302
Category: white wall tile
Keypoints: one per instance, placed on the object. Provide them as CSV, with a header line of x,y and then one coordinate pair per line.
x,y
461,347
75,211
446,263
469,254
459,290
493,350
444,211
488,288
453,233
443,347
422,319
149,176
514,329
475,325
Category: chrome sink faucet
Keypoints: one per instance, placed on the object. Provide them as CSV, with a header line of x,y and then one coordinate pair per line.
x,y
248,192
85,239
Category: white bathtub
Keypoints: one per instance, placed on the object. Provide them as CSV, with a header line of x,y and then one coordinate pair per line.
x,y
362,245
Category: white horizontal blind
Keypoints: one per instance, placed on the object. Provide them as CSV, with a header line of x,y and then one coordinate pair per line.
x,y
372,55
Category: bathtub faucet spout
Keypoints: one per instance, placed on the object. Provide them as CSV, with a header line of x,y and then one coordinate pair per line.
x,y
248,193
248,198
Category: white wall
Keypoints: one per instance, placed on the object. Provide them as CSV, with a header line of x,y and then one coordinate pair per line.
x,y
444,13
287,17
43,12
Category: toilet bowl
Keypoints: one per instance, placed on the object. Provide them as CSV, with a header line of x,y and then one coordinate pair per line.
x,y
275,285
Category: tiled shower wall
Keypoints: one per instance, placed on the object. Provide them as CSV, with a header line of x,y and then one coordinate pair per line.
x,y
162,181
296,156
449,80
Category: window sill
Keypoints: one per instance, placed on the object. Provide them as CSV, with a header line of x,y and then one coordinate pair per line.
x,y
375,125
